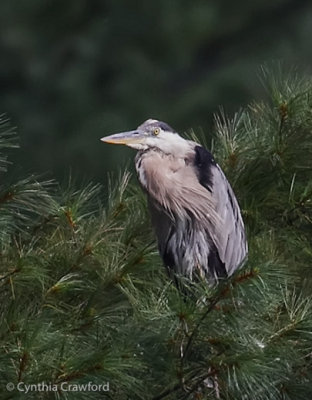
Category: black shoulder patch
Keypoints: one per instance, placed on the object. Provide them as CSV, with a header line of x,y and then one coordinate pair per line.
x,y
203,162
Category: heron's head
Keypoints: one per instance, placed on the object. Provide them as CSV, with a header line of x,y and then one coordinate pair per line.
x,y
151,134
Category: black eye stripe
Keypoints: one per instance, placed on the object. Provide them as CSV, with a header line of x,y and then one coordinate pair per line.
x,y
165,127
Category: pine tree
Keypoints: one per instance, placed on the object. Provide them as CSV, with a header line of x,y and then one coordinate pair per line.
x,y
85,298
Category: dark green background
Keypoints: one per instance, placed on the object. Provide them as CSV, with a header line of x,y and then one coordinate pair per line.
x,y
73,71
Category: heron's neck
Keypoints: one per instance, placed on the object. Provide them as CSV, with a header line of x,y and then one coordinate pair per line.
x,y
154,166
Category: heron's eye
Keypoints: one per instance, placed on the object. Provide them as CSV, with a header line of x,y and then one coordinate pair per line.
x,y
156,131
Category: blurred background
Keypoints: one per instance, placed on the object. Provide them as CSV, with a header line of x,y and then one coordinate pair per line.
x,y
76,70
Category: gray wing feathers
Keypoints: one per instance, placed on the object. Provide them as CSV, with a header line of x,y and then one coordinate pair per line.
x,y
229,233
162,223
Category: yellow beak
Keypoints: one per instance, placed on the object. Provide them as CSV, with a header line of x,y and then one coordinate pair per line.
x,y
130,137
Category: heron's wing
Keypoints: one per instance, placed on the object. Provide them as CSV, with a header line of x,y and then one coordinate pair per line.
x,y
229,233
164,227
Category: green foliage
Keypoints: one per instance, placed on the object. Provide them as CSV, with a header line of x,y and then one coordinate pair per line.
x,y
84,296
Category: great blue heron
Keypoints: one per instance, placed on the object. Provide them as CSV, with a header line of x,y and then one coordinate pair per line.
x,y
194,211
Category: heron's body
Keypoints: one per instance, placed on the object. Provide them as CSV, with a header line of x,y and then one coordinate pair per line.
x,y
194,211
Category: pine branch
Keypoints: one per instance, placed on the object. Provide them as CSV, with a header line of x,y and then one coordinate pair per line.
x,y
8,140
